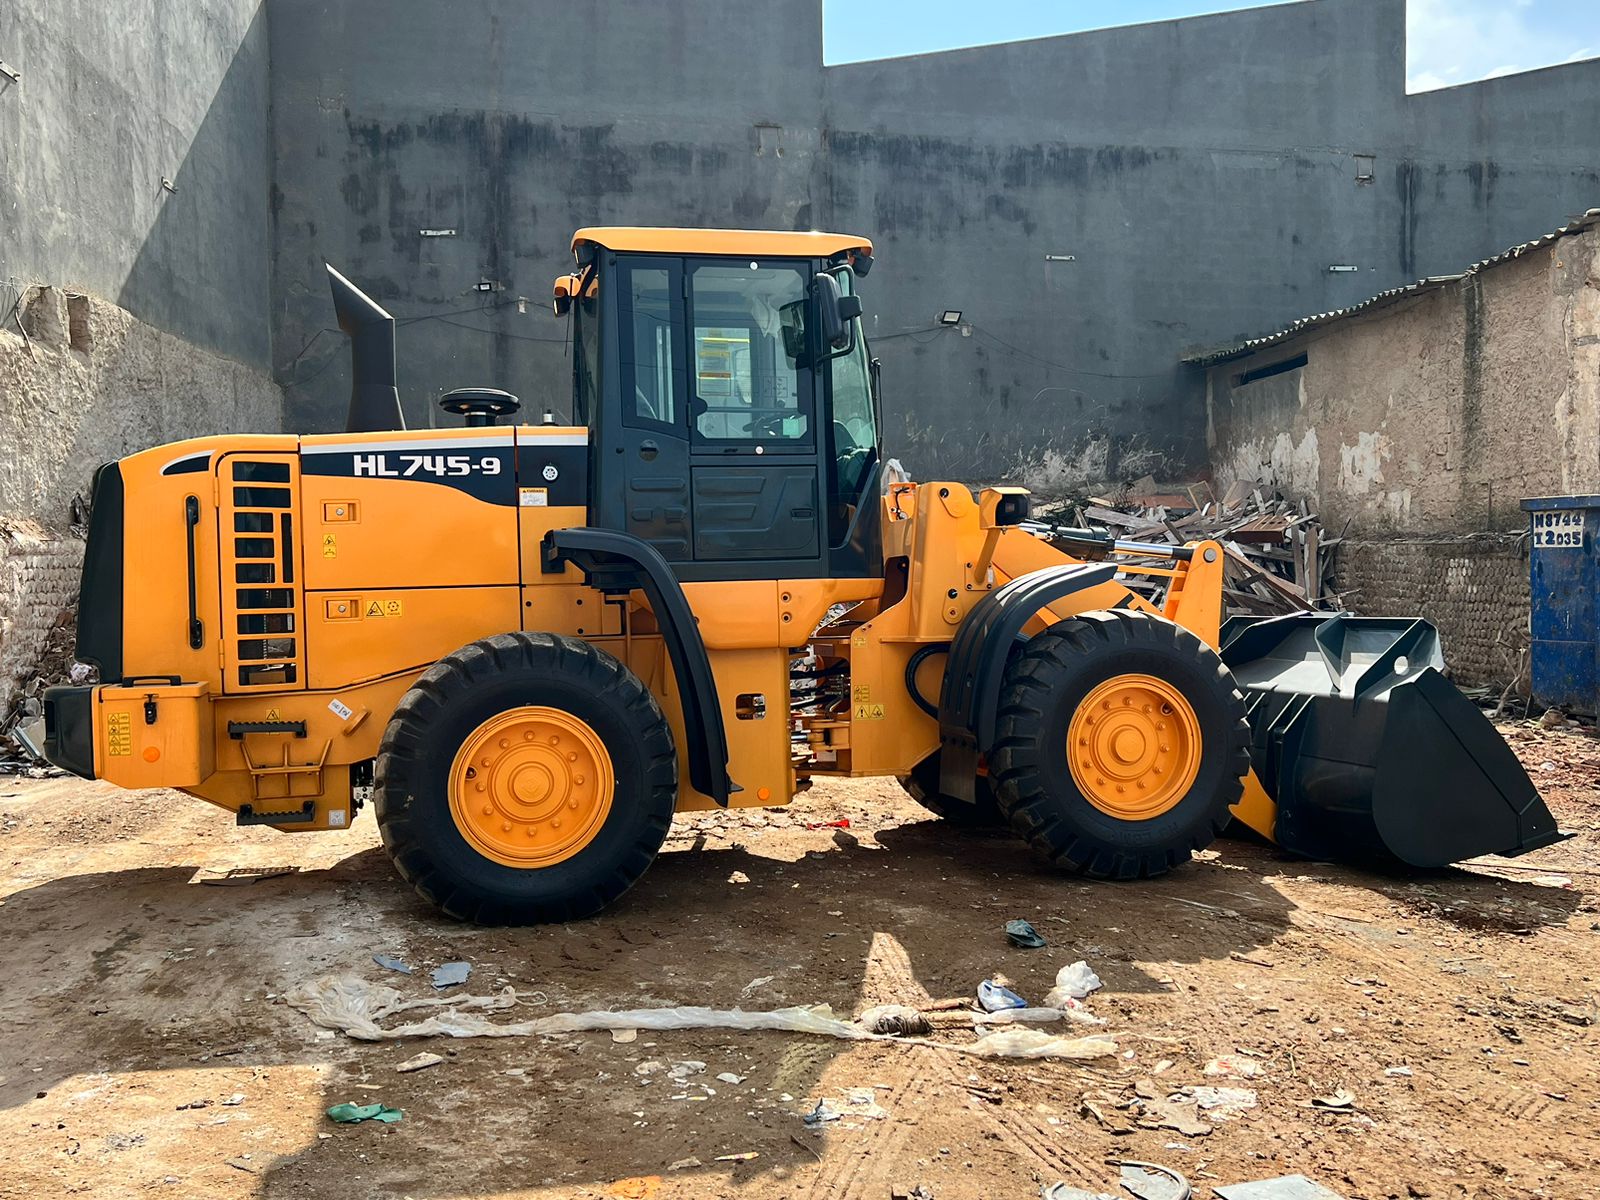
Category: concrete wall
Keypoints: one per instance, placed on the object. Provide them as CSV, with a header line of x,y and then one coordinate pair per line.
x,y
1437,412
114,98
1202,175
514,124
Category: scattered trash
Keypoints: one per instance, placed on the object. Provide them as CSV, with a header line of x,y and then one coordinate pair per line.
x,y
738,877
451,973
1253,961
418,1062
1233,1066
624,1035
679,1072
730,1077
242,1163
1398,1072
897,1020
841,823
922,1191
1553,718
1283,1187
750,988
1222,1103
1152,1181
356,1006
1339,1100
243,876
350,1114
234,1100
821,1113
1064,1191
994,997
1035,1043
684,1164
743,1156
1073,982
393,964
1024,936
201,1103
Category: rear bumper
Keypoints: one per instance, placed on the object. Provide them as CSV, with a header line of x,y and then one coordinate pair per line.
x,y
135,736
69,729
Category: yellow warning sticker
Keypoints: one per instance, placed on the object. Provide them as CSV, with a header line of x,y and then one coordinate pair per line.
x,y
273,715
119,734
391,608
330,546
383,608
862,693
533,497
869,712
374,609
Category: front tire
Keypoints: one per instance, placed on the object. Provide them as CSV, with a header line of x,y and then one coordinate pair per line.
x,y
923,787
525,778
1158,737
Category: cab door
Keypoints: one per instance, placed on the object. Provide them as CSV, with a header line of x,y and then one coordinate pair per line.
x,y
753,445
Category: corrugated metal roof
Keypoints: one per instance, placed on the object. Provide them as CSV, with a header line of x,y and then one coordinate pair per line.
x,y
1205,358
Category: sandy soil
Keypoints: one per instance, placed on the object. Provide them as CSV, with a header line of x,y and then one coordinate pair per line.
x,y
145,1048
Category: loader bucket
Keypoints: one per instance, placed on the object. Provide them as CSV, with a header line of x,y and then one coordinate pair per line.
x,y
1369,752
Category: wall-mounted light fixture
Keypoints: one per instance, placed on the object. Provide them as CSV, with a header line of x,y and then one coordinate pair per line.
x,y
1061,258
1342,269
169,185
436,233
950,316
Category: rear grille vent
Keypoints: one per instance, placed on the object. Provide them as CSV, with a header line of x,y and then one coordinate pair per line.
x,y
260,600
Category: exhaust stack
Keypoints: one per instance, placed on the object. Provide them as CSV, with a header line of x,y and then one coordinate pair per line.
x,y
374,398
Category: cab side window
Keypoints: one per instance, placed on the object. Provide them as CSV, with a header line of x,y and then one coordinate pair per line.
x,y
750,376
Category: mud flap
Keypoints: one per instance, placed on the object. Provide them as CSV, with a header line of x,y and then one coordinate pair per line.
x,y
1370,753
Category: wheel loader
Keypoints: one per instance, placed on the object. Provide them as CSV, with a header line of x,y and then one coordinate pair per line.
x,y
530,644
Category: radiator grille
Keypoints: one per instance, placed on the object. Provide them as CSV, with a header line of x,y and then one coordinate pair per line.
x,y
261,606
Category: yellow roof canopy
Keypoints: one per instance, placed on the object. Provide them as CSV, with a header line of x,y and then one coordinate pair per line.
x,y
757,243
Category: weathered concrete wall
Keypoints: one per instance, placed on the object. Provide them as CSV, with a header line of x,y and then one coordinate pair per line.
x,y
113,99
1201,174
513,124
1437,412
89,383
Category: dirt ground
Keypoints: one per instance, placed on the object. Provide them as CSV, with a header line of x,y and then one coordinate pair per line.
x,y
145,1048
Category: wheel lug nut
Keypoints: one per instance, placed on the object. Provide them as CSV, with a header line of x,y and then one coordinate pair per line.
x,y
555,739
505,743
479,785
555,822
1146,708
505,826
578,780
572,756
528,736
1083,741
488,810
1127,699
485,760
572,804
1165,750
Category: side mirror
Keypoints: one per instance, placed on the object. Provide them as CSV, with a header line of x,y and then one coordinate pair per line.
x,y
835,312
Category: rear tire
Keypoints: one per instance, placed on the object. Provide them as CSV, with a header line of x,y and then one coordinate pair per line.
x,y
440,812
923,786
1160,771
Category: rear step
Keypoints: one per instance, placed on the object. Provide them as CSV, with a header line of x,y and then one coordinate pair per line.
x,y
1370,753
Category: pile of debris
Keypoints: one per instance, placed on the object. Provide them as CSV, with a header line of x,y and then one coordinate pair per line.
x,y
1277,559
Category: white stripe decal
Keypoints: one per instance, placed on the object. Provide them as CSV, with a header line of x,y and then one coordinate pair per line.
x,y
556,439
459,444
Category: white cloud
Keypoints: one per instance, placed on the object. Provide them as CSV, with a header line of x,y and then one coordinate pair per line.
x,y
1458,41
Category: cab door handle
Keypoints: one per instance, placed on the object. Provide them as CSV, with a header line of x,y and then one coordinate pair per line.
x,y
648,449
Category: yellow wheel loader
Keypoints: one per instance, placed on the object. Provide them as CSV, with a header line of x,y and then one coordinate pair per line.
x,y
532,644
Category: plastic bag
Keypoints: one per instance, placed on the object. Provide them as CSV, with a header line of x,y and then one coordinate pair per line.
x,y
1072,983
355,1007
996,998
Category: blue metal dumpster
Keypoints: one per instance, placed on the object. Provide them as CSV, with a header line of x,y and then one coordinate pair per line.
x,y
1564,574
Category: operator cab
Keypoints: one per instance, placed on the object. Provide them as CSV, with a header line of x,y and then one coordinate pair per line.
x,y
726,384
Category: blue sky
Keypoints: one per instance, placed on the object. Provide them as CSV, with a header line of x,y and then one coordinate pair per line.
x,y
1448,41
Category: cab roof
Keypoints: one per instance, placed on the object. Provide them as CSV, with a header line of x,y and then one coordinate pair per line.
x,y
744,242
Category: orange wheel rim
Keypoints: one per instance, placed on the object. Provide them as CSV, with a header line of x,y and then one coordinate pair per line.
x,y
531,787
1133,747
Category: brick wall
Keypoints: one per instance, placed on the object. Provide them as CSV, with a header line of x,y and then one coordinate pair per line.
x,y
1473,587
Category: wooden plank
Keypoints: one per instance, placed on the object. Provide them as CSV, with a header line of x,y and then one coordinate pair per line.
x,y
1281,587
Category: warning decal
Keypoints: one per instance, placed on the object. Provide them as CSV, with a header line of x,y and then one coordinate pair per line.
x,y
119,734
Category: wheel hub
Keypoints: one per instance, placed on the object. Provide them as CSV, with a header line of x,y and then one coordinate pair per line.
x,y
1133,747
531,786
